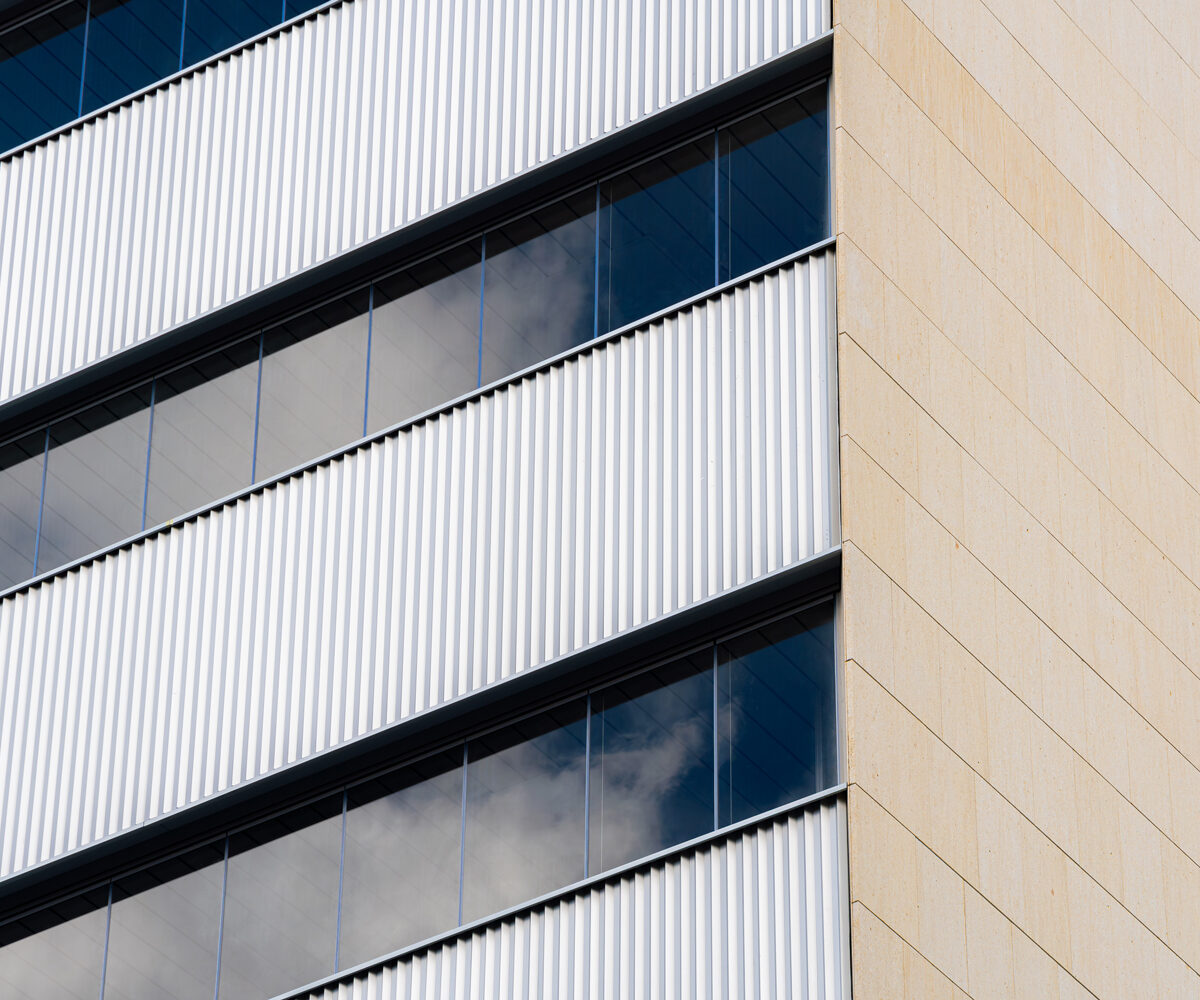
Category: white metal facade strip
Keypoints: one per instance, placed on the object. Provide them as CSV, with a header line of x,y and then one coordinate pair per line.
x,y
331,133
763,913
635,478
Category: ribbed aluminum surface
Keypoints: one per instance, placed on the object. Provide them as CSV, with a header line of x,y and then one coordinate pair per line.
x,y
762,914
327,135
638,476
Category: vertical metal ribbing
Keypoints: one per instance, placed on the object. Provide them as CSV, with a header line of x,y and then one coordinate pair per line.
x,y
200,609
762,912
176,263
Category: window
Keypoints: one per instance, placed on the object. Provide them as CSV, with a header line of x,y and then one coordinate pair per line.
x,y
656,235
651,762
776,714
281,896
130,44
95,478
20,505
738,727
403,851
774,188
734,199
41,66
56,952
314,378
202,439
162,935
424,337
539,286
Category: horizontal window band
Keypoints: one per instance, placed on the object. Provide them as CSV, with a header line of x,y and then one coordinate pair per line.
x,y
597,343
810,803
794,588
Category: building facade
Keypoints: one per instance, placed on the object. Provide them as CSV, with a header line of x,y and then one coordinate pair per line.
x,y
610,498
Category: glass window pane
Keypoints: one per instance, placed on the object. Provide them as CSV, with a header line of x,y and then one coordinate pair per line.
x,y
652,762
163,932
402,857
216,25
656,235
424,337
20,499
281,899
295,7
95,478
130,45
57,952
525,805
539,286
202,440
774,183
777,718
314,383
40,64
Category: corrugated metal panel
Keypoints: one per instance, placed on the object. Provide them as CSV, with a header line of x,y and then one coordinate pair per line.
x,y
641,475
761,914
331,133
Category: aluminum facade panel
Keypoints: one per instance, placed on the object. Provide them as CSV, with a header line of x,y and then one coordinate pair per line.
x,y
636,477
324,136
762,913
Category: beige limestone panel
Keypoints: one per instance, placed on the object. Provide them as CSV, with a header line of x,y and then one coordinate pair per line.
x,y
1026,98
1175,21
1172,611
1038,281
1168,83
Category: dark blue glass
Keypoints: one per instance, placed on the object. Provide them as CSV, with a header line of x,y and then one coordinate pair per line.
x,y
40,66
130,45
56,952
539,291
20,501
656,235
216,25
774,183
776,714
525,806
652,762
294,7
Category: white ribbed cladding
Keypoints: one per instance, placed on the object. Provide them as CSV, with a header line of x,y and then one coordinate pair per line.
x,y
760,914
325,136
636,477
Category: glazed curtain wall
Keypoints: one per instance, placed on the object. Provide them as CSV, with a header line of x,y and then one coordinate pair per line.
x,y
724,204
84,54
337,130
735,729
641,475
